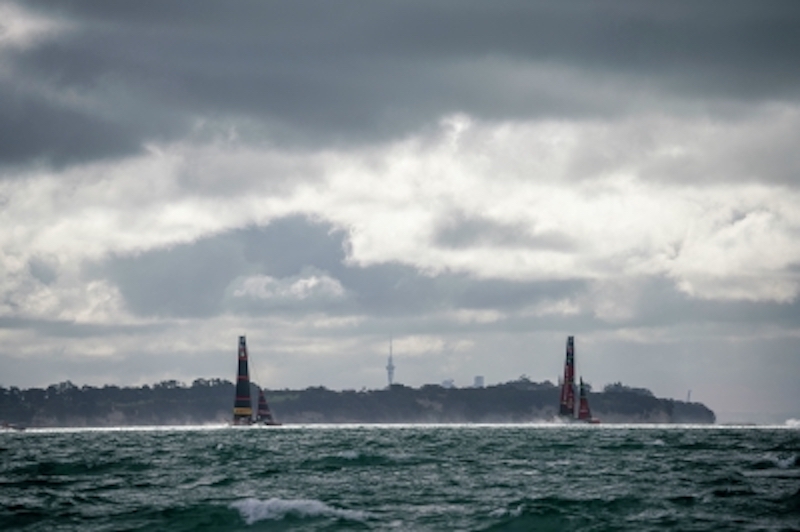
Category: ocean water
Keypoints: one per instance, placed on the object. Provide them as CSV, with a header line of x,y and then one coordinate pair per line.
x,y
475,477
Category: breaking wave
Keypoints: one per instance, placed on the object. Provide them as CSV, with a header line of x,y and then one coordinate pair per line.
x,y
777,462
793,423
348,455
253,510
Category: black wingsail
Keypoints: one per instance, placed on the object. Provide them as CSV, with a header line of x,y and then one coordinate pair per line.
x,y
243,404
264,415
567,406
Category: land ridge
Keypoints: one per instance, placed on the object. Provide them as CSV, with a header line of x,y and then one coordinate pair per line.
x,y
211,401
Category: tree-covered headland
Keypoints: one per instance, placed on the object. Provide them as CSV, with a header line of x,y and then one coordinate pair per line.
x,y
211,401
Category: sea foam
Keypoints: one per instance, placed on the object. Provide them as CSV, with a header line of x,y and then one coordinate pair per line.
x,y
253,510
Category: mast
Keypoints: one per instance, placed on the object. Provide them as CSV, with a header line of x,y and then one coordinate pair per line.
x,y
567,407
584,413
243,404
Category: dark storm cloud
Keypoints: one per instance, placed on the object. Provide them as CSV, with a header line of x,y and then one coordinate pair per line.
x,y
33,128
301,72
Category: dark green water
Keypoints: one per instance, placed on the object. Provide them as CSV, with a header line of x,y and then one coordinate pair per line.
x,y
523,477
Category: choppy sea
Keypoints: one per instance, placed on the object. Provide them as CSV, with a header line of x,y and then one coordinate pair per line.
x,y
445,477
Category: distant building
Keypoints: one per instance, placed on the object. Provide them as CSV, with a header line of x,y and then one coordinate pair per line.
x,y
478,382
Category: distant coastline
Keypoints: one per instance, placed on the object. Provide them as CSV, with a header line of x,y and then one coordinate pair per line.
x,y
211,401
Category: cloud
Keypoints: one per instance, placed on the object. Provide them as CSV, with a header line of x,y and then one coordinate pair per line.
x,y
44,269
461,231
116,79
477,180
484,200
22,29
268,288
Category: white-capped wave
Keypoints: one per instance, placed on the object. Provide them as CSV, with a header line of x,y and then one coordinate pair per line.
x,y
253,510
348,455
792,422
505,512
782,461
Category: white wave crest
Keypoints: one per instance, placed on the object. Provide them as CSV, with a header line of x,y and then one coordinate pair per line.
x,y
253,510
793,423
503,512
348,455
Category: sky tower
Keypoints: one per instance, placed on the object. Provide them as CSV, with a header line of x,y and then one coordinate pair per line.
x,y
390,365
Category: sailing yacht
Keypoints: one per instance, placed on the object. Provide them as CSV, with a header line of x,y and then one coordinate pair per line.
x,y
567,403
243,403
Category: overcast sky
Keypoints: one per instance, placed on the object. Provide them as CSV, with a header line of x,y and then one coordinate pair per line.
x,y
477,180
